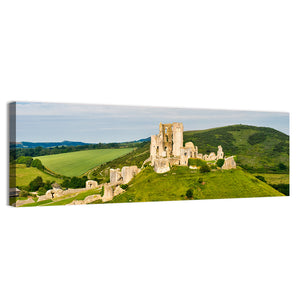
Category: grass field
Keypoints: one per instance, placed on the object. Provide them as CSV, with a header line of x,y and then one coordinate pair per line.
x,y
20,175
149,186
77,163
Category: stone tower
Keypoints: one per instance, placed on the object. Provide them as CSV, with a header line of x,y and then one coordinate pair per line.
x,y
168,142
177,138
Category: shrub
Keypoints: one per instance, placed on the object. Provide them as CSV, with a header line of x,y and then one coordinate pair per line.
x,y
196,162
74,182
124,186
42,191
220,162
282,167
47,185
261,178
102,191
204,169
23,193
189,193
36,163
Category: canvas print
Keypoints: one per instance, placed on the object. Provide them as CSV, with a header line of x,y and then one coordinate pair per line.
x,y
69,154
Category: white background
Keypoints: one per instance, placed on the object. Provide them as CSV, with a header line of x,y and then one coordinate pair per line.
x,y
206,54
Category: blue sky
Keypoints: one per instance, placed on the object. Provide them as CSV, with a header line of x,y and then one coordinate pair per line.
x,y
45,122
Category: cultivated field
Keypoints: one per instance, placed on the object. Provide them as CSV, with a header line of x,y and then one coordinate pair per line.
x,y
77,163
20,175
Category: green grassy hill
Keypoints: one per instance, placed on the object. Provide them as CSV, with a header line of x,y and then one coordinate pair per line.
x,y
21,176
258,149
77,163
150,186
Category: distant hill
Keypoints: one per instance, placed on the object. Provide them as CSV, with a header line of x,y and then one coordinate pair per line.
x,y
258,149
31,145
48,144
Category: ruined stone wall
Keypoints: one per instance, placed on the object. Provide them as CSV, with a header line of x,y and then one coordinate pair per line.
x,y
123,176
110,191
91,184
161,165
229,163
220,153
115,176
128,173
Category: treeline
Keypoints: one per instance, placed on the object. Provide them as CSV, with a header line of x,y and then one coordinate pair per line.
x,y
283,188
280,168
41,187
30,162
41,151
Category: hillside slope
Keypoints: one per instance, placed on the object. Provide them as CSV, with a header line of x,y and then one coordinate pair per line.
x,y
259,149
150,186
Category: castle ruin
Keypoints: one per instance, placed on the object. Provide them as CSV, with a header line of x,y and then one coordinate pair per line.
x,y
167,149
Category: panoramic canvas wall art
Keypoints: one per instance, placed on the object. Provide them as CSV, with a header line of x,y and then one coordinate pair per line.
x,y
69,154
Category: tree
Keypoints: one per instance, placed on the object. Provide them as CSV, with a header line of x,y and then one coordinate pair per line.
x,y
36,163
24,160
124,186
36,183
220,162
282,166
42,191
47,185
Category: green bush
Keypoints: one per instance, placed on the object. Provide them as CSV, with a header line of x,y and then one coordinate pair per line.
x,y
36,163
261,178
23,193
102,191
74,182
205,169
220,162
124,186
42,191
196,162
282,167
